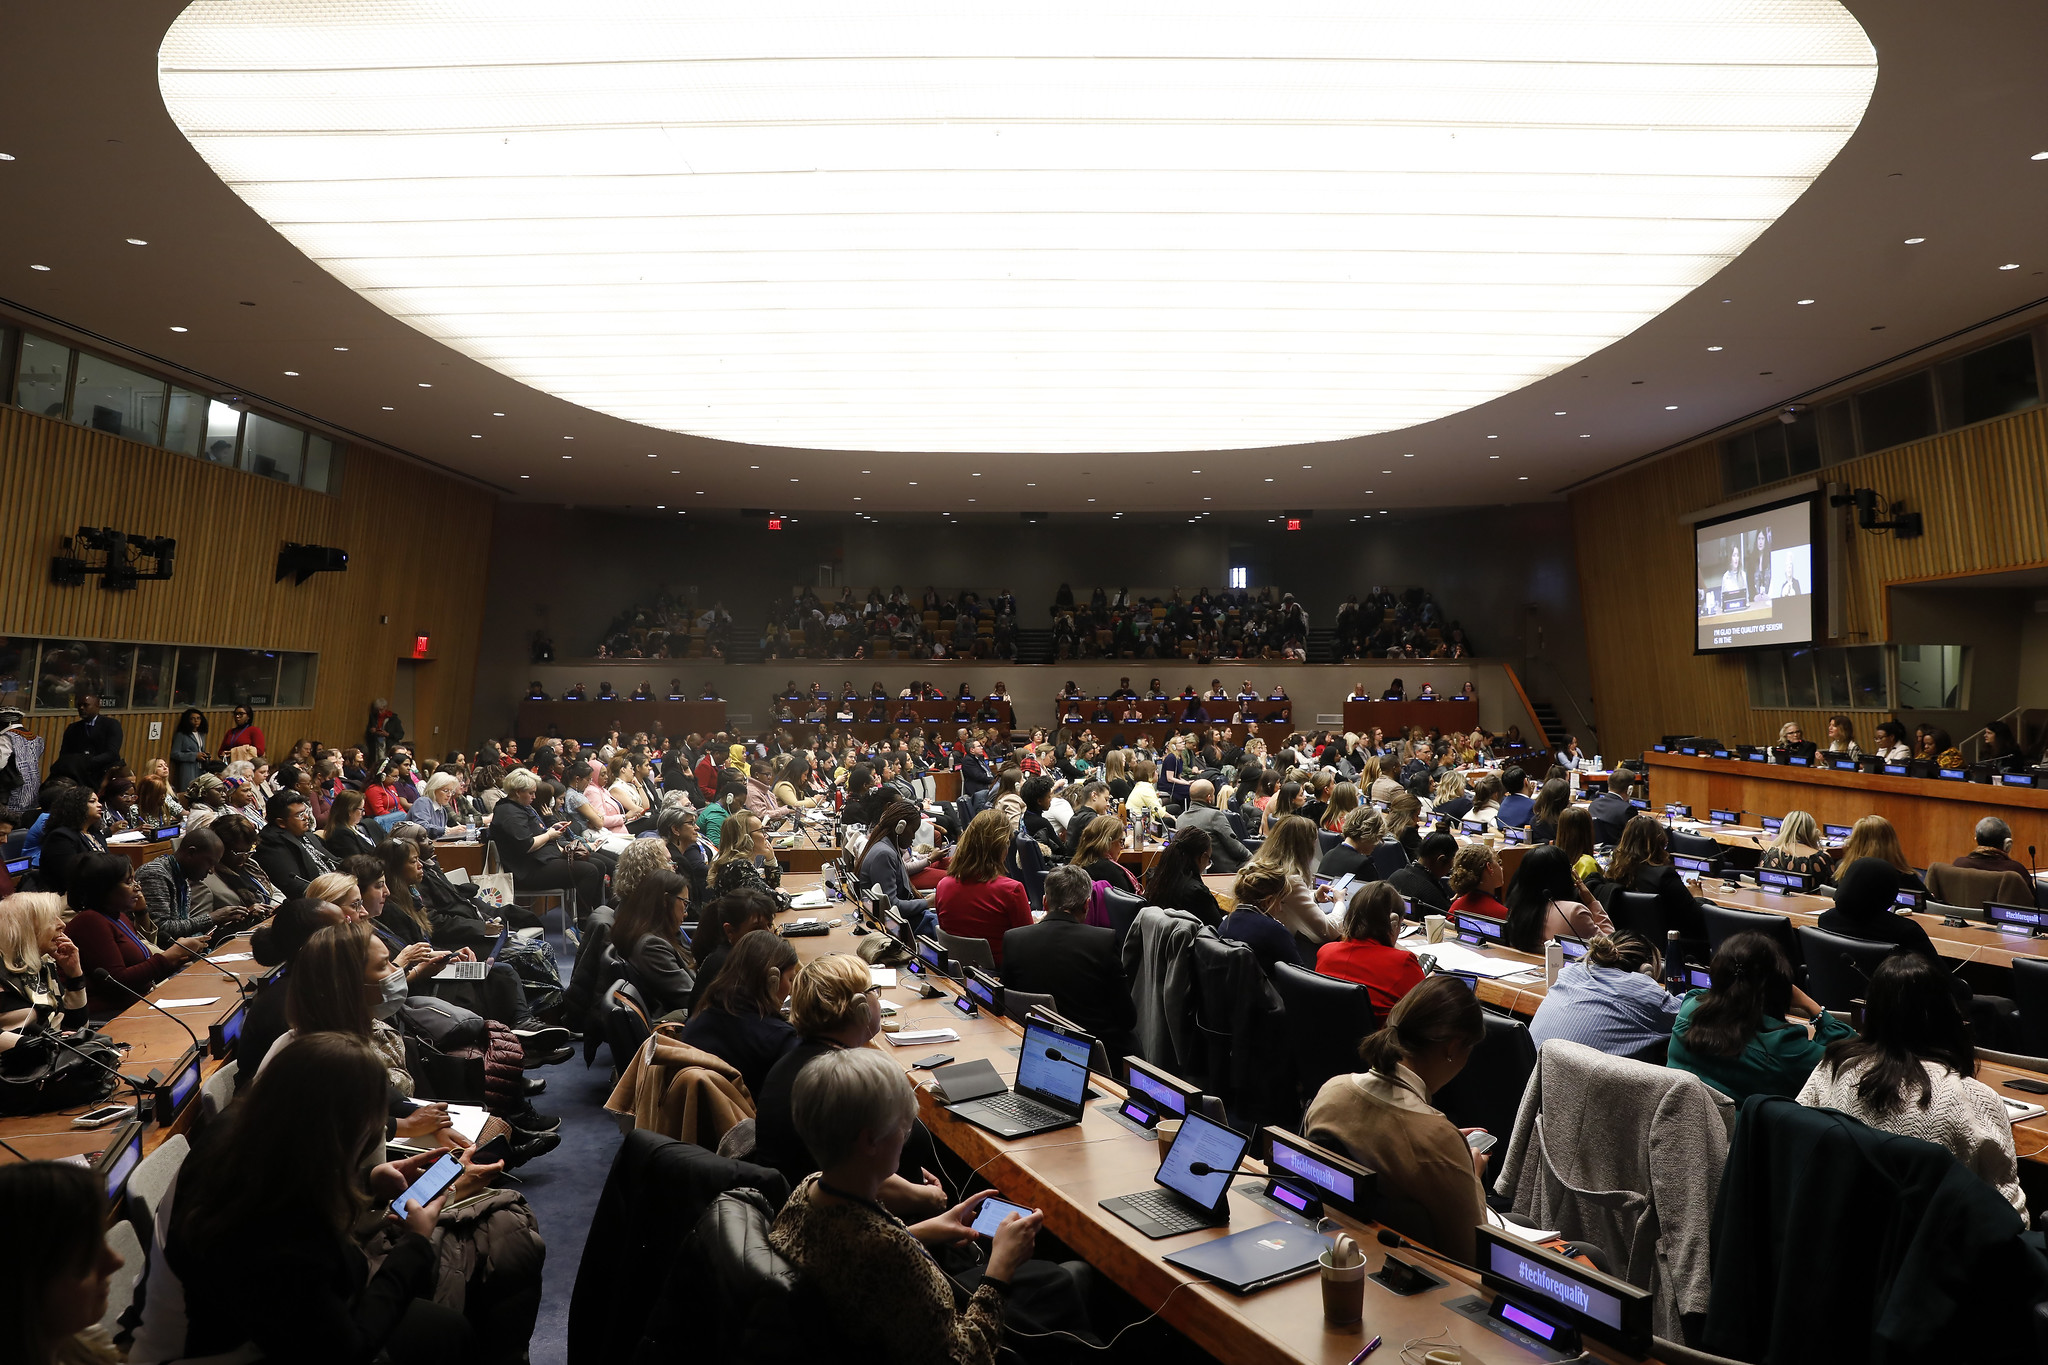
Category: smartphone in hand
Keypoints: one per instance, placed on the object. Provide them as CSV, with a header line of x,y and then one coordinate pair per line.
x,y
993,1211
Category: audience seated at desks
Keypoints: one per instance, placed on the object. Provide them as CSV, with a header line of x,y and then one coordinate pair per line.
x,y
1074,962
42,980
1612,1000
1290,853
854,1110
1551,802
1100,851
343,835
1476,878
724,922
1431,1183
976,899
109,925
1739,1035
1642,862
1913,1072
1796,848
1545,900
647,934
1368,953
1993,852
1423,881
1873,837
739,1018
533,851
1174,881
888,864
171,881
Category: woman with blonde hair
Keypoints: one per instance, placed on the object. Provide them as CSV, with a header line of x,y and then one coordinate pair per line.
x,y
975,898
1099,851
1842,736
41,981
1337,809
1290,851
1796,848
637,860
1144,797
1874,837
1452,800
834,1005
745,857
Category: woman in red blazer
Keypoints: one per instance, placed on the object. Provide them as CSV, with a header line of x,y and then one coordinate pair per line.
x,y
108,927
974,899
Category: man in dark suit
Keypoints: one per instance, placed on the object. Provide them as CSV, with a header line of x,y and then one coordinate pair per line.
x,y
1074,962
1610,809
91,745
286,849
1515,808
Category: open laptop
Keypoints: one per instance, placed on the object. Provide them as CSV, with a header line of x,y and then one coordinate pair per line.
x,y
474,971
1186,1200
1052,1082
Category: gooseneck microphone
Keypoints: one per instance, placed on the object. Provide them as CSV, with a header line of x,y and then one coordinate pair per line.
x,y
107,978
1204,1168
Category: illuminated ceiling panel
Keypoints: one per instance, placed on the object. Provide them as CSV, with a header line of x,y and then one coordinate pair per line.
x,y
1111,226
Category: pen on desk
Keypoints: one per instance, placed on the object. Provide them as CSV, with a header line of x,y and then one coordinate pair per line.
x,y
1370,1347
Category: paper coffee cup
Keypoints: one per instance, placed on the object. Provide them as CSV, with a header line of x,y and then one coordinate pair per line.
x,y
1167,1131
1433,928
1343,1292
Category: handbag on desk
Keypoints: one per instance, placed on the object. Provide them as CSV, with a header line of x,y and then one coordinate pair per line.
x,y
39,1077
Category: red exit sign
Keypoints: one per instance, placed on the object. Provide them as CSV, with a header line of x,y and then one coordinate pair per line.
x,y
775,523
1294,523
420,646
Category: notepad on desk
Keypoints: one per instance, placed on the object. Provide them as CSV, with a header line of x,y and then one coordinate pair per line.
x,y
813,899
232,957
1453,956
882,976
2019,1111
191,1000
922,1037
468,1120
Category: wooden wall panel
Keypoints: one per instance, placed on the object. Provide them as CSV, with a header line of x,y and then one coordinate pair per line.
x,y
417,543
1982,490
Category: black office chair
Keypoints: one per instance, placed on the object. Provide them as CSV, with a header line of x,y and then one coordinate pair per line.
x,y
1389,858
1326,1019
1237,825
1123,909
623,1021
1838,967
2030,993
1694,845
1637,912
1724,924
1488,1092
1328,839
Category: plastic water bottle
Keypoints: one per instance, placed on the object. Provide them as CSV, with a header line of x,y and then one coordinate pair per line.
x,y
1553,961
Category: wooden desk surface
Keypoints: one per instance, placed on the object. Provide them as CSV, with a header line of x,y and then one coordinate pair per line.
x,y
154,1041
1935,820
1067,1171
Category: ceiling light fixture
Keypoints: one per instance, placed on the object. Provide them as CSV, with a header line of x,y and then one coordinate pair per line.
x,y
2013,265
293,373
1804,302
972,259
426,386
6,156
389,409
137,241
1713,348
2037,156
1671,407
1915,241
497,414
39,267
180,329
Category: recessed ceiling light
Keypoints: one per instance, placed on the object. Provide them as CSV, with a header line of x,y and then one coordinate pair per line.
x,y
1031,485
526,476
1092,500
1713,348
293,373
913,484
6,156
1194,471
137,241
426,386
388,409
39,267
1804,302
568,438
476,436
793,480
341,348
1671,407
1493,438
804,350
497,414
1490,457
1585,436
753,466
178,329
2037,156
1208,499
856,499
661,507
568,457
1557,414
1915,241
2011,265
700,492
974,499
1524,478
1408,455
974,476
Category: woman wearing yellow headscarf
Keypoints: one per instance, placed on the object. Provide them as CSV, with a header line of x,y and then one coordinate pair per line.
x,y
736,759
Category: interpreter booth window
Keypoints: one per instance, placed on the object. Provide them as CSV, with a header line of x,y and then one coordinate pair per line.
x,y
272,449
17,670
72,668
42,375
244,677
192,682
152,676
1851,679
1934,678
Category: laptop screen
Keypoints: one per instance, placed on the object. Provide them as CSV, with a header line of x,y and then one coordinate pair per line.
x,y
1053,1066
1202,1140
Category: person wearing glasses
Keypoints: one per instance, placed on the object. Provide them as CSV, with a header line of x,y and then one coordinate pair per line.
x,y
243,729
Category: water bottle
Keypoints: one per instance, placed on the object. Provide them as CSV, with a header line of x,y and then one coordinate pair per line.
x,y
1553,961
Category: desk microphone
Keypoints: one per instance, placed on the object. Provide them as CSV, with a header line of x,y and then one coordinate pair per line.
x,y
1389,1238
14,1149
1204,1168
107,978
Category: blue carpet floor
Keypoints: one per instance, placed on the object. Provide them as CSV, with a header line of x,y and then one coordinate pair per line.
x,y
563,1186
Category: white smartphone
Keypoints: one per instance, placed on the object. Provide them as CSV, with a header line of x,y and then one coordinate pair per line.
x,y
103,1115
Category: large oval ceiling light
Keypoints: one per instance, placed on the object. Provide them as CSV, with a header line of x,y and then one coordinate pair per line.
x,y
955,225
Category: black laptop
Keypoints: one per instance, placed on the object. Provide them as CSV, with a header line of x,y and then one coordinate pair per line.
x,y
1186,1201
1052,1083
